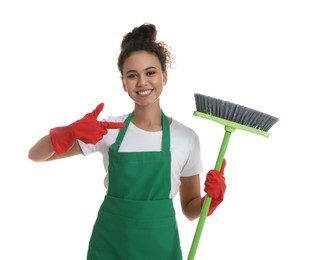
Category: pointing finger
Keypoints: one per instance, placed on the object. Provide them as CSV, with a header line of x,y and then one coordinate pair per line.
x,y
113,125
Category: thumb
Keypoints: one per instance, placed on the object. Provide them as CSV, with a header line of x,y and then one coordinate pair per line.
x,y
223,166
97,110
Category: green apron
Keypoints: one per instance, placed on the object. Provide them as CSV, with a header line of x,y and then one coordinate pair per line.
x,y
136,220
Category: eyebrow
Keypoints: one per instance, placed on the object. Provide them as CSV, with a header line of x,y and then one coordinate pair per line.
x,y
148,68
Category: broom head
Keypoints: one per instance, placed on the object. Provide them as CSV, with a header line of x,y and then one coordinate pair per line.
x,y
233,115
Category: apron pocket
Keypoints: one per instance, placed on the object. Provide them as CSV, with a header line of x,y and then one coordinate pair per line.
x,y
125,238
119,234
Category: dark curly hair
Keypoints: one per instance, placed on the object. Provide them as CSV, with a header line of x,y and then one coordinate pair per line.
x,y
143,38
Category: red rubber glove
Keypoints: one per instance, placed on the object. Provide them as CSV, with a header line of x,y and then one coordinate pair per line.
x,y
87,129
215,187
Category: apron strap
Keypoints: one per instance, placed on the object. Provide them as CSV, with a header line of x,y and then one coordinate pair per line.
x,y
165,133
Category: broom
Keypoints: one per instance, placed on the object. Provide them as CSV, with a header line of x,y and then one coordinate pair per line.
x,y
232,116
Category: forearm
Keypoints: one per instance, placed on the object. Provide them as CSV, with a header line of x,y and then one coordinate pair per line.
x,y
190,196
42,150
192,210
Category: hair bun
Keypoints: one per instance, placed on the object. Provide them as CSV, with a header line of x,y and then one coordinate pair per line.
x,y
146,33
143,38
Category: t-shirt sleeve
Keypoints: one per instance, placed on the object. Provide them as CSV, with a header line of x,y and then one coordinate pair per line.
x,y
87,148
193,164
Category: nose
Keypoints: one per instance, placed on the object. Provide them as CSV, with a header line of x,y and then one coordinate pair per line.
x,y
142,81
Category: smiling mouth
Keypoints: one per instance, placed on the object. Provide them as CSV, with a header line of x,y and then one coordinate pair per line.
x,y
144,93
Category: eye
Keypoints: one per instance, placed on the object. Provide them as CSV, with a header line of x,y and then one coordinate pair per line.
x,y
151,72
131,76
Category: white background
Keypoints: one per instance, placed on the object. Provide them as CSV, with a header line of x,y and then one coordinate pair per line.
x,y
58,61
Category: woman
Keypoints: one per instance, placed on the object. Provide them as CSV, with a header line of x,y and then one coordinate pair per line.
x,y
148,157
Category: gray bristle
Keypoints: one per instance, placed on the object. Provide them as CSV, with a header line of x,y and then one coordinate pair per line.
x,y
233,112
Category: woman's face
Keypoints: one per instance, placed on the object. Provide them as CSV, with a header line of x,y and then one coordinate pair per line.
x,y
143,77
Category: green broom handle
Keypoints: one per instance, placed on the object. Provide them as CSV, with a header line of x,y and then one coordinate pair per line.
x,y
205,208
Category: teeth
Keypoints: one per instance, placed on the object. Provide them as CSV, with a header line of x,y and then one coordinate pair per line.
x,y
144,92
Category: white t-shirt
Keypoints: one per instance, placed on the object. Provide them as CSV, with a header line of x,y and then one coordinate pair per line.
x,y
184,146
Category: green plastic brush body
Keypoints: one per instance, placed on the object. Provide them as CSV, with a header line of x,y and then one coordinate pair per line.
x,y
232,116
231,124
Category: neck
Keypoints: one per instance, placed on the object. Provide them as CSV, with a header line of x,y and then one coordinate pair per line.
x,y
148,118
